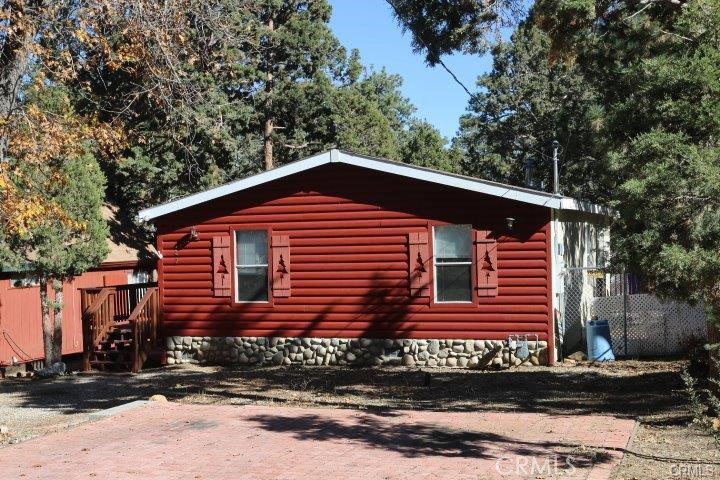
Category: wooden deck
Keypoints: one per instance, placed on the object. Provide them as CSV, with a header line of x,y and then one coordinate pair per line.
x,y
120,326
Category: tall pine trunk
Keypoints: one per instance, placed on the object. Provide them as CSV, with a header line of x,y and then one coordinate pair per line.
x,y
51,322
58,315
269,121
13,63
268,145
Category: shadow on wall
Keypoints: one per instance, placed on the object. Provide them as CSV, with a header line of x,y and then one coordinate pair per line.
x,y
390,317
387,320
386,310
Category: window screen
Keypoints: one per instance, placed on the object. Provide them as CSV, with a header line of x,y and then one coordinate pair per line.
x,y
453,263
251,265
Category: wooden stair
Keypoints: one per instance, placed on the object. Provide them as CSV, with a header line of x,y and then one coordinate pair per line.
x,y
120,326
115,351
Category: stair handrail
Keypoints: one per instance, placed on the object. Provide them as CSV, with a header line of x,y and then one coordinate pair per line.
x,y
144,320
97,303
105,307
97,320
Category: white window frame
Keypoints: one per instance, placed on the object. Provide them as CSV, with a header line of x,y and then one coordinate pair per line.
x,y
24,282
436,263
134,276
237,266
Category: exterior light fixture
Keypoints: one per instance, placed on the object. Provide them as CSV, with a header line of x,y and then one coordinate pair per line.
x,y
194,234
510,222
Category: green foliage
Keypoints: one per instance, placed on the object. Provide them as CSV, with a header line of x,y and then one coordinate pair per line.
x,y
703,399
670,216
661,130
58,248
442,27
233,70
370,114
68,244
525,103
632,92
423,145
62,252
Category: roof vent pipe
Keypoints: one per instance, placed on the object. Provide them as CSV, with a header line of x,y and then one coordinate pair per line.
x,y
556,172
530,172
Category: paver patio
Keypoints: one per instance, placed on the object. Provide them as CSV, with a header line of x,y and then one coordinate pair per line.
x,y
169,440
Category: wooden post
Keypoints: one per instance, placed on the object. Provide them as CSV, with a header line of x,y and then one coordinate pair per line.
x,y
136,347
87,337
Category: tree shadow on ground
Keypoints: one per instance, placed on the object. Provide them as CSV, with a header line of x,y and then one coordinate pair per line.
x,y
419,439
653,396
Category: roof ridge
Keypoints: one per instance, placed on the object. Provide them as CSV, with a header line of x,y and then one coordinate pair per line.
x,y
511,192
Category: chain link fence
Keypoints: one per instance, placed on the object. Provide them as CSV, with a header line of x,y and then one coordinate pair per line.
x,y
641,324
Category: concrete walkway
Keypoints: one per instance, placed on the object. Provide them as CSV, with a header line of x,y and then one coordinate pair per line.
x,y
168,441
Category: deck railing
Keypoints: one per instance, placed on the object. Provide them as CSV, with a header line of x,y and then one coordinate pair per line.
x,y
144,323
135,305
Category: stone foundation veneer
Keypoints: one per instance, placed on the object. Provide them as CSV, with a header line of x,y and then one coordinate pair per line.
x,y
345,351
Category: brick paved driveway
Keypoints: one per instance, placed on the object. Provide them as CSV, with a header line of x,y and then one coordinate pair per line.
x,y
171,441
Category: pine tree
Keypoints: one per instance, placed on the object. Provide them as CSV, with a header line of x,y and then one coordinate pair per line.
x,y
662,129
71,237
439,28
423,145
526,102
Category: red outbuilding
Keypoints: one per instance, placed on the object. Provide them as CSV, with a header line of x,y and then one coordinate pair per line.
x,y
21,335
343,259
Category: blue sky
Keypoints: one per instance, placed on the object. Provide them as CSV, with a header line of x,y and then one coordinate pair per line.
x,y
369,26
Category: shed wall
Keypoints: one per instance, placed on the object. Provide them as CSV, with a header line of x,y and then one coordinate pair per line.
x,y
21,320
348,230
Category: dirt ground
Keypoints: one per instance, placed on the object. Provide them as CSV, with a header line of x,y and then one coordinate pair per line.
x,y
665,444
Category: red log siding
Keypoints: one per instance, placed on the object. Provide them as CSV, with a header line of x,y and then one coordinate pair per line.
x,y
348,230
21,321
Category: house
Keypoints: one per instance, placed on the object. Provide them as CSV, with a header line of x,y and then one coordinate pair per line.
x,y
21,337
342,258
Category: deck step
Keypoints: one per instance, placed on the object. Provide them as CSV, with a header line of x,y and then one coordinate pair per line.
x,y
116,349
115,353
111,362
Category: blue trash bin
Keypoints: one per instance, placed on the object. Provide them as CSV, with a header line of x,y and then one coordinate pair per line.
x,y
599,342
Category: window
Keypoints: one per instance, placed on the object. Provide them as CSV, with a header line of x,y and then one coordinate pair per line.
x,y
453,263
24,282
139,276
251,265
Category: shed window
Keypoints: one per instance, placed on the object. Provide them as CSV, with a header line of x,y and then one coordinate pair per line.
x,y
251,265
453,263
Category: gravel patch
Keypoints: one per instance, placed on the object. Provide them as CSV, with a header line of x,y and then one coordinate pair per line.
x,y
650,391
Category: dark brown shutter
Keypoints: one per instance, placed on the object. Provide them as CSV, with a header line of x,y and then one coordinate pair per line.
x,y
280,265
486,275
222,266
419,264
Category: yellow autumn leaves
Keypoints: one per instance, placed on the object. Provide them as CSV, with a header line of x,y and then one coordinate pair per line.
x,y
37,138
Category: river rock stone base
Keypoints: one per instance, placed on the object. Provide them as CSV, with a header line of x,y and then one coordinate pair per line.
x,y
350,351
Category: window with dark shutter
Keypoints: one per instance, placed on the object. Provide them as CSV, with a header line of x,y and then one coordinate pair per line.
x,y
251,266
453,263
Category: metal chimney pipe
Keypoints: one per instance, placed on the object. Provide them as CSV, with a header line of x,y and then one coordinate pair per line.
x,y
530,172
556,170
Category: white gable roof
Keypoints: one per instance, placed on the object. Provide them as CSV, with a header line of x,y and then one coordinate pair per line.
x,y
519,194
